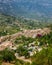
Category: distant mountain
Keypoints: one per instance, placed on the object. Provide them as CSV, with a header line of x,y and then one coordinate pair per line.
x,y
35,9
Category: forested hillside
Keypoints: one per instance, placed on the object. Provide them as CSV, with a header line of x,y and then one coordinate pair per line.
x,y
10,24
30,9
7,25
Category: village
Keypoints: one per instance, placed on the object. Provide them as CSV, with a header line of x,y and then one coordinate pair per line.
x,y
32,48
7,40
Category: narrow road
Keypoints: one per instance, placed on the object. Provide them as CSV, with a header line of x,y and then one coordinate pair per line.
x,y
23,59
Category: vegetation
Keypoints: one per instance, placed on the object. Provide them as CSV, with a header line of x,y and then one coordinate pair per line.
x,y
46,39
10,25
23,51
23,40
33,24
44,57
7,55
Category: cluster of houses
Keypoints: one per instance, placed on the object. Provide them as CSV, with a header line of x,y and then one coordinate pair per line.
x,y
34,33
32,48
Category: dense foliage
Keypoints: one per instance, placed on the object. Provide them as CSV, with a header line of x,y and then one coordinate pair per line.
x,y
46,39
23,40
7,55
23,51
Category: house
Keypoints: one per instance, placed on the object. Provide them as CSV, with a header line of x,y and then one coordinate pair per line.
x,y
39,35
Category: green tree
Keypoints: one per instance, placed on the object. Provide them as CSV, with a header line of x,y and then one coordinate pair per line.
x,y
7,55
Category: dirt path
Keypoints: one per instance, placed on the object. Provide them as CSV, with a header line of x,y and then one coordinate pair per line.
x,y
23,59
4,63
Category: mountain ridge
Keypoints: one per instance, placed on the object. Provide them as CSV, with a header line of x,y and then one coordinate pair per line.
x,y
30,9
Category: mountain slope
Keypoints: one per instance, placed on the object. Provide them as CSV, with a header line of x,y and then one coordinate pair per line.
x,y
27,8
8,25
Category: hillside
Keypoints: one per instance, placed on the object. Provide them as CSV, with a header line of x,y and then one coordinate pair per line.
x,y
11,25
35,9
25,32
8,25
23,41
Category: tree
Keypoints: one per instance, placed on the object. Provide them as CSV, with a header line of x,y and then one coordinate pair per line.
x,y
22,51
7,55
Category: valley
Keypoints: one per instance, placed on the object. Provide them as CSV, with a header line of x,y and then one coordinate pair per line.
x,y
25,32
